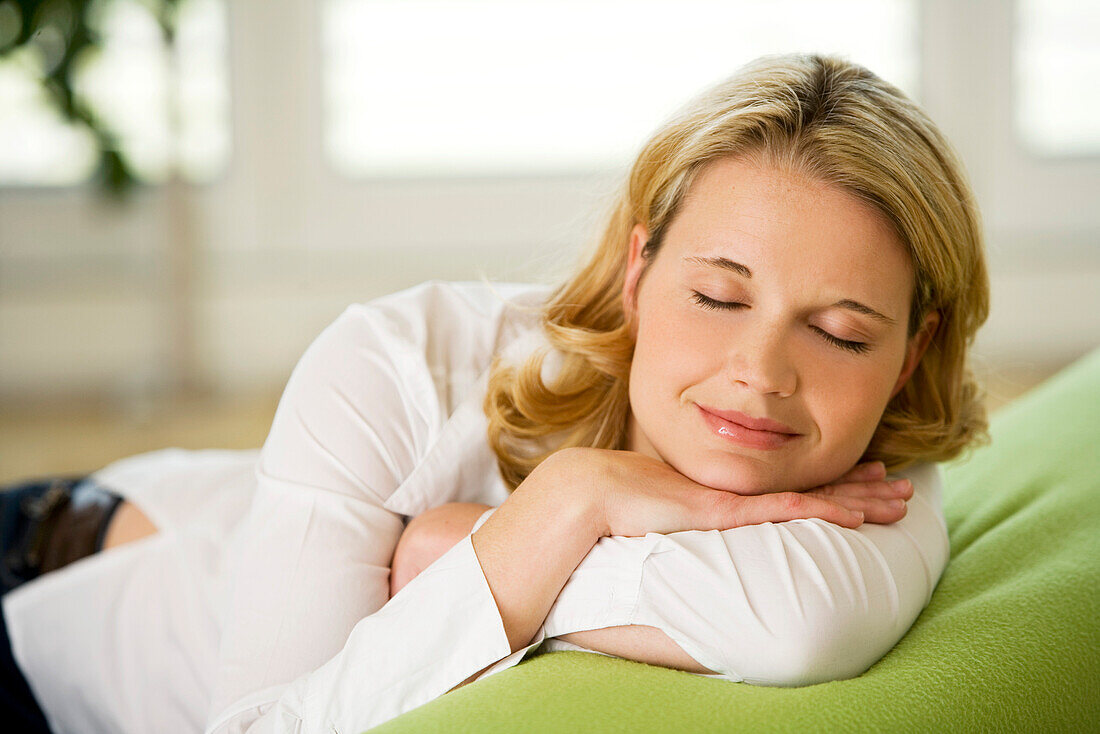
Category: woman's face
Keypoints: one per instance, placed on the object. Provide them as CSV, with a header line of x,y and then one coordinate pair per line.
x,y
771,331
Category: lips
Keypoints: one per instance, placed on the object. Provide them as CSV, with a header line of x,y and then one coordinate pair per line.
x,y
756,424
730,425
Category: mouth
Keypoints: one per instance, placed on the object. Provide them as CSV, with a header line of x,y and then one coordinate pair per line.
x,y
744,430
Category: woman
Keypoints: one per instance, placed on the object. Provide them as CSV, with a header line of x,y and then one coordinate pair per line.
x,y
778,312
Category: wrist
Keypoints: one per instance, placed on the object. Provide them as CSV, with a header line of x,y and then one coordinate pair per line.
x,y
577,477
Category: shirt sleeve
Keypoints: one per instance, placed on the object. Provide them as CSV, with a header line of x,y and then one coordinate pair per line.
x,y
309,565
788,604
440,629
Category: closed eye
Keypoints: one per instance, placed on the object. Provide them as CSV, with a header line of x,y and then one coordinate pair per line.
x,y
708,302
846,344
857,347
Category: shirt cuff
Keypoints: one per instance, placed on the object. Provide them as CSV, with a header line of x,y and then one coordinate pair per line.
x,y
440,629
603,590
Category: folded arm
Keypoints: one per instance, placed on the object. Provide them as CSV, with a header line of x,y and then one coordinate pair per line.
x,y
792,603
785,603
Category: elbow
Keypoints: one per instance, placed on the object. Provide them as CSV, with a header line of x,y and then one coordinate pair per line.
x,y
822,647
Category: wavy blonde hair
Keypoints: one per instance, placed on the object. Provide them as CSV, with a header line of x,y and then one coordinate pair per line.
x,y
836,122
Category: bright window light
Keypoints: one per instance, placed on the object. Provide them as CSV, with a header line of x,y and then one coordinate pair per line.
x,y
37,146
1057,62
165,112
498,87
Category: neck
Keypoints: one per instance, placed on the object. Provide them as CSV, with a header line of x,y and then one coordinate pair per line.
x,y
636,440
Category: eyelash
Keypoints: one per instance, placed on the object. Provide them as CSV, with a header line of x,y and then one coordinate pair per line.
x,y
708,302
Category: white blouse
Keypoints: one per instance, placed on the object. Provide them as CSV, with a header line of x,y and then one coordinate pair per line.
x,y
261,605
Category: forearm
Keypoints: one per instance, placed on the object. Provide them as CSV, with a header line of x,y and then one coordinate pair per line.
x,y
782,604
527,555
610,630
638,642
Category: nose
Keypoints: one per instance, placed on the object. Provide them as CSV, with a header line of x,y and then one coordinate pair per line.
x,y
759,362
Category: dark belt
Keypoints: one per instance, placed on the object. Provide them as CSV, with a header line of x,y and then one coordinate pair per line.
x,y
61,521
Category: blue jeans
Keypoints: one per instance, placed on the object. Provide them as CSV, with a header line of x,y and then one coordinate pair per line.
x,y
19,711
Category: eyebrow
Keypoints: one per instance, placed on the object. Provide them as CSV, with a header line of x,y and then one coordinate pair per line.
x,y
863,309
743,270
723,263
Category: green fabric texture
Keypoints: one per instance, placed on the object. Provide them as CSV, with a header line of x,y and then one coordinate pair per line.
x,y
1009,642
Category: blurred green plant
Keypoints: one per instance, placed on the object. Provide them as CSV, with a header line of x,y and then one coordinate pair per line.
x,y
52,36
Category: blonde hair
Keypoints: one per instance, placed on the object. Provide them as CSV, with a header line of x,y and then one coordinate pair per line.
x,y
832,120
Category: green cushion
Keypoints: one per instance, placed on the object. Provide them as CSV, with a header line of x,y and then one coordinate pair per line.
x,y
1010,640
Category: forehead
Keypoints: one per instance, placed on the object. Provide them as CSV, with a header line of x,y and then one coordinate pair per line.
x,y
783,223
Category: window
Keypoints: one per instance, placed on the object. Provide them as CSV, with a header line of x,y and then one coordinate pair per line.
x,y
497,87
135,87
1057,62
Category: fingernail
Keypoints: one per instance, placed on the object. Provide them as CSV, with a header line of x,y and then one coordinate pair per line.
x,y
876,469
900,484
897,504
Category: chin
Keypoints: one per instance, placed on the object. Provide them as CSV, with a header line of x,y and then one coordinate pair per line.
x,y
741,474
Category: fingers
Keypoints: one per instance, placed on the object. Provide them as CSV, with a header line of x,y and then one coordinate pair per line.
x,y
874,509
881,489
784,506
880,501
865,472
848,504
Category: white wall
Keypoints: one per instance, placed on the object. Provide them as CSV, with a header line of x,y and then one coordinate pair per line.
x,y
286,242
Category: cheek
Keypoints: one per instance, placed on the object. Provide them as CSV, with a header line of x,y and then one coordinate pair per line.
x,y
671,353
848,404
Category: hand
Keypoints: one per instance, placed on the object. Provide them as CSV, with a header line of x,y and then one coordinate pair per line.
x,y
866,490
428,536
637,494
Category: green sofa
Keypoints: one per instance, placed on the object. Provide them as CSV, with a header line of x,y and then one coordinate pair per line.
x,y
1009,642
